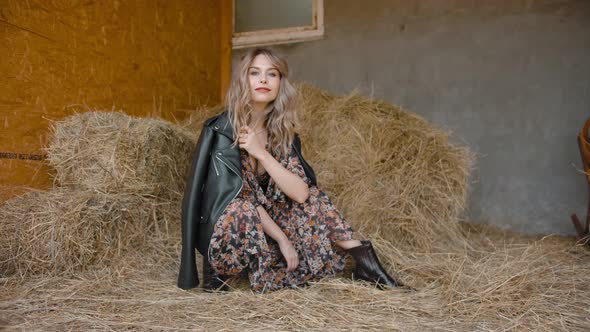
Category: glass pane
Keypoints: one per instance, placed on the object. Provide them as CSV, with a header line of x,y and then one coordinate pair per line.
x,y
252,15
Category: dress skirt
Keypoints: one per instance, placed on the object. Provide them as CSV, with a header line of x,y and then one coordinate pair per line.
x,y
239,245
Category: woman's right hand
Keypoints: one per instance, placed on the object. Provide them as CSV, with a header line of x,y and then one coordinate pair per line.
x,y
290,254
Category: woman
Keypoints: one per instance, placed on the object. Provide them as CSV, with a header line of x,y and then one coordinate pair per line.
x,y
251,203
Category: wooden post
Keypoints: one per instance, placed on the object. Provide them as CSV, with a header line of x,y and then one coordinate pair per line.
x,y
226,31
584,145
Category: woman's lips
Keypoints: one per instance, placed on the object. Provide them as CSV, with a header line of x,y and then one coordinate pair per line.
x,y
263,90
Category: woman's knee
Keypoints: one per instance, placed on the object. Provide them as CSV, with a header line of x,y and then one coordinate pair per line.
x,y
241,217
241,209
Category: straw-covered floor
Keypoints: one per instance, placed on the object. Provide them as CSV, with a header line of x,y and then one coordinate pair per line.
x,y
100,251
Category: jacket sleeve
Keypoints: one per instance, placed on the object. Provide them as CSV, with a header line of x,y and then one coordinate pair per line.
x,y
306,167
188,276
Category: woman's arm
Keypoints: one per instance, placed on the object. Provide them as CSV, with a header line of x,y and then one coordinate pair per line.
x,y
273,230
291,184
269,226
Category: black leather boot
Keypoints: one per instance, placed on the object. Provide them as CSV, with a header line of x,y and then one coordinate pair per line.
x,y
212,281
368,267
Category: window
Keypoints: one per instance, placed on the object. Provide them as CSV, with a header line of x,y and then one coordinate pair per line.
x,y
271,22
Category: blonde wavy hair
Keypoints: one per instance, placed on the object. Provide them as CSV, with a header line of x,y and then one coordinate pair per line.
x,y
281,117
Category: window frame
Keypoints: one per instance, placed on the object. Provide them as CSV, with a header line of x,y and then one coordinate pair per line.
x,y
283,35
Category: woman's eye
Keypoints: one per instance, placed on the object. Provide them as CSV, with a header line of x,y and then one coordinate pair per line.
x,y
253,73
273,74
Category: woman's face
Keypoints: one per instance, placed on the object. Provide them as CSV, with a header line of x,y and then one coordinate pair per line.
x,y
264,81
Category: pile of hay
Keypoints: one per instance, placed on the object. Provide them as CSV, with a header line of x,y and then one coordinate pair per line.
x,y
113,152
66,230
524,285
392,174
118,186
194,123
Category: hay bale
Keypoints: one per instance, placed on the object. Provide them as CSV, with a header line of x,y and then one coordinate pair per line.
x,y
65,230
118,187
113,152
194,122
391,172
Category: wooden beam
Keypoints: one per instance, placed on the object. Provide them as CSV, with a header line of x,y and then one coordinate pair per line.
x,y
226,31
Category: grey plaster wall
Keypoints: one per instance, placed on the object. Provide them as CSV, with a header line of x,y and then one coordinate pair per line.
x,y
510,78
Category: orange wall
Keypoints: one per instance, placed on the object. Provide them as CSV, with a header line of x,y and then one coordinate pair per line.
x,y
145,57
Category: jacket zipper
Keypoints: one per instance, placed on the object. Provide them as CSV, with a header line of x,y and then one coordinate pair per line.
x,y
215,166
239,175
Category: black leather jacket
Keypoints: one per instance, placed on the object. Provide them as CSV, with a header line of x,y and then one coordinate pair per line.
x,y
215,179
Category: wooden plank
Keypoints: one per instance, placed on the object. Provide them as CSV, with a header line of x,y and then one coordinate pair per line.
x,y
226,30
145,58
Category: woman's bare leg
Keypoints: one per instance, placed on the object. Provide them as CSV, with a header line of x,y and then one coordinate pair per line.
x,y
347,244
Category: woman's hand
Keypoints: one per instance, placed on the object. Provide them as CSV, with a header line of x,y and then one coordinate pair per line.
x,y
273,230
248,141
290,254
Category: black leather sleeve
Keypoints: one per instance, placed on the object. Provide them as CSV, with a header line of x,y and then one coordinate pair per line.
x,y
306,167
188,277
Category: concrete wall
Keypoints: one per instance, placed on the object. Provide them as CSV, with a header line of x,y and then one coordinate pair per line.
x,y
144,57
510,78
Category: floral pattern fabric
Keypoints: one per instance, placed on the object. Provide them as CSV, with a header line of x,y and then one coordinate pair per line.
x,y
239,244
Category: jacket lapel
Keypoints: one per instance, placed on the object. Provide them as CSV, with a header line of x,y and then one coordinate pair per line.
x,y
231,155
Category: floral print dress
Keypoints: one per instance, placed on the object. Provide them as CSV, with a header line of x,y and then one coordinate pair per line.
x,y
239,245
